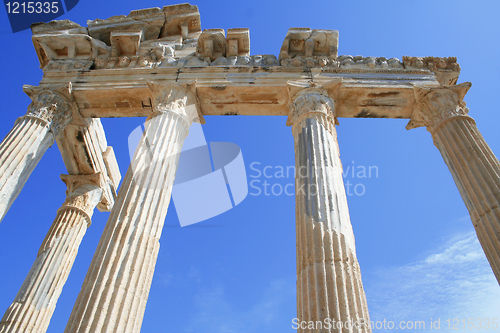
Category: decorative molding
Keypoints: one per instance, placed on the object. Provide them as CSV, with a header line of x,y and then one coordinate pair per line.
x,y
54,107
446,70
68,65
179,99
434,106
432,63
310,62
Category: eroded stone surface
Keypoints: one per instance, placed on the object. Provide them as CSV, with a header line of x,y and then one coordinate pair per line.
x,y
36,301
472,163
21,150
127,251
328,275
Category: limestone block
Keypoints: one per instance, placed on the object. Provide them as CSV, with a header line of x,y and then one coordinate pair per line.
x,y
304,42
112,166
149,21
323,42
56,27
126,42
212,44
85,151
64,46
238,42
181,20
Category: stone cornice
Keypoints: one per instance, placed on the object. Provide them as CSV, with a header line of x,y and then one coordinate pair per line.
x,y
172,38
435,106
116,57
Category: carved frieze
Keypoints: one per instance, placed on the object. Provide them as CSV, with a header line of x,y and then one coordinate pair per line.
x,y
369,62
122,42
143,61
68,65
446,70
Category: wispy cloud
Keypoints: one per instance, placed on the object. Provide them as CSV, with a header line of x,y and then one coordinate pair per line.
x,y
214,313
454,282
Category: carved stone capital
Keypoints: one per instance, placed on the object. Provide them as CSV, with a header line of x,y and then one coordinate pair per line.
x,y
179,99
312,100
434,106
53,106
84,193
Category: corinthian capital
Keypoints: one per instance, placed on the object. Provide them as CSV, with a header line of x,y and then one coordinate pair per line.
x,y
305,102
434,106
179,99
53,106
84,193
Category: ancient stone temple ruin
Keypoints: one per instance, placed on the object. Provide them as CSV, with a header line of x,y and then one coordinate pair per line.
x,y
159,63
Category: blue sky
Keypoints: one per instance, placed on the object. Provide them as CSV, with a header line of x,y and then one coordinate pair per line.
x,y
415,243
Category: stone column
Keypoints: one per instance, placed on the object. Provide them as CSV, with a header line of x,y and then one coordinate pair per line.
x,y
474,167
24,146
329,283
36,300
115,291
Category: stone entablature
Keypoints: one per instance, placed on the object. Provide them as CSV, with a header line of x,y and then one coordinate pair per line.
x,y
157,38
110,62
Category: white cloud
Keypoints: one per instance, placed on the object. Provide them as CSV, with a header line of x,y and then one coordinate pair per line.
x,y
214,313
454,282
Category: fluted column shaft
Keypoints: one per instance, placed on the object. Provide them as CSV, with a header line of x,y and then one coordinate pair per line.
x,y
115,291
473,165
35,302
329,286
24,146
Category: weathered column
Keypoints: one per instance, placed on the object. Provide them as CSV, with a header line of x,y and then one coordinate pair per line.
x,y
329,286
24,146
36,300
474,167
115,291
